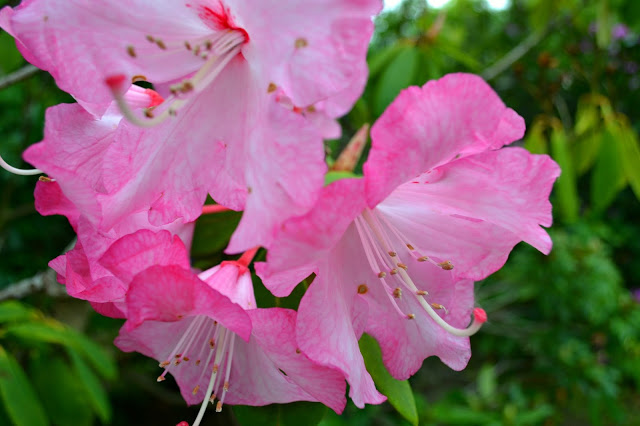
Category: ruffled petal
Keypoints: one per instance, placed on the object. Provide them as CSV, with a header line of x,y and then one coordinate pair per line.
x,y
477,210
426,127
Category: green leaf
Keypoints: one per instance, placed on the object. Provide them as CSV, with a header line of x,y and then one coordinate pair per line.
x,y
608,177
587,117
66,402
293,414
398,392
397,76
567,202
213,232
51,331
332,176
18,396
604,23
487,383
381,58
535,142
629,149
585,151
11,311
94,389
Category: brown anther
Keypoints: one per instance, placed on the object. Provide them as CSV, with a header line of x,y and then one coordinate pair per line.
x,y
411,316
423,259
177,362
397,293
151,39
160,379
187,45
179,316
393,254
215,323
196,389
298,351
163,364
249,190
161,44
219,407
215,368
436,306
208,45
402,265
186,358
446,265
311,108
148,112
197,362
421,293
196,51
393,271
363,289
272,88
131,51
45,18
178,356
137,78
212,344
45,179
172,112
382,274
186,87
410,247
225,386
301,42
212,398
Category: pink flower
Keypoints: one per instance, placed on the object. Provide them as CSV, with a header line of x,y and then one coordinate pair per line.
x,y
206,331
437,193
216,62
81,269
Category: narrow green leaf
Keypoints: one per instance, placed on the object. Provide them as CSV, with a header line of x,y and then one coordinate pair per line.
x,y
487,383
397,76
608,177
398,392
95,390
585,151
12,310
18,396
604,23
535,141
587,117
293,414
629,149
567,202
66,401
52,331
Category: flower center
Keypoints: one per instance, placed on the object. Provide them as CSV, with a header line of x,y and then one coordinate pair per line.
x,y
216,51
377,234
203,341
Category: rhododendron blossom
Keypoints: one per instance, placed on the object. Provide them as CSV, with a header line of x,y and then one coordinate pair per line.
x,y
218,64
205,330
395,252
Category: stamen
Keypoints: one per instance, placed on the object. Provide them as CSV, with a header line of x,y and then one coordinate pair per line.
x,y
16,171
224,48
212,380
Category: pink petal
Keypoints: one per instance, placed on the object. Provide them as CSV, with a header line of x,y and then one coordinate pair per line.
x,y
170,293
478,209
305,240
426,127
232,280
136,252
50,200
271,368
327,328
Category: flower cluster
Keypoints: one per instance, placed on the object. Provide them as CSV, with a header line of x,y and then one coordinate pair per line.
x,y
243,95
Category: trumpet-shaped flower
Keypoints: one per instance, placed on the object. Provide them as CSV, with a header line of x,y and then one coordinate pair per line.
x,y
395,253
218,64
205,330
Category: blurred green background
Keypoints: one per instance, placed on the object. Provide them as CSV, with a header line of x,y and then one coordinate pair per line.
x,y
562,345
